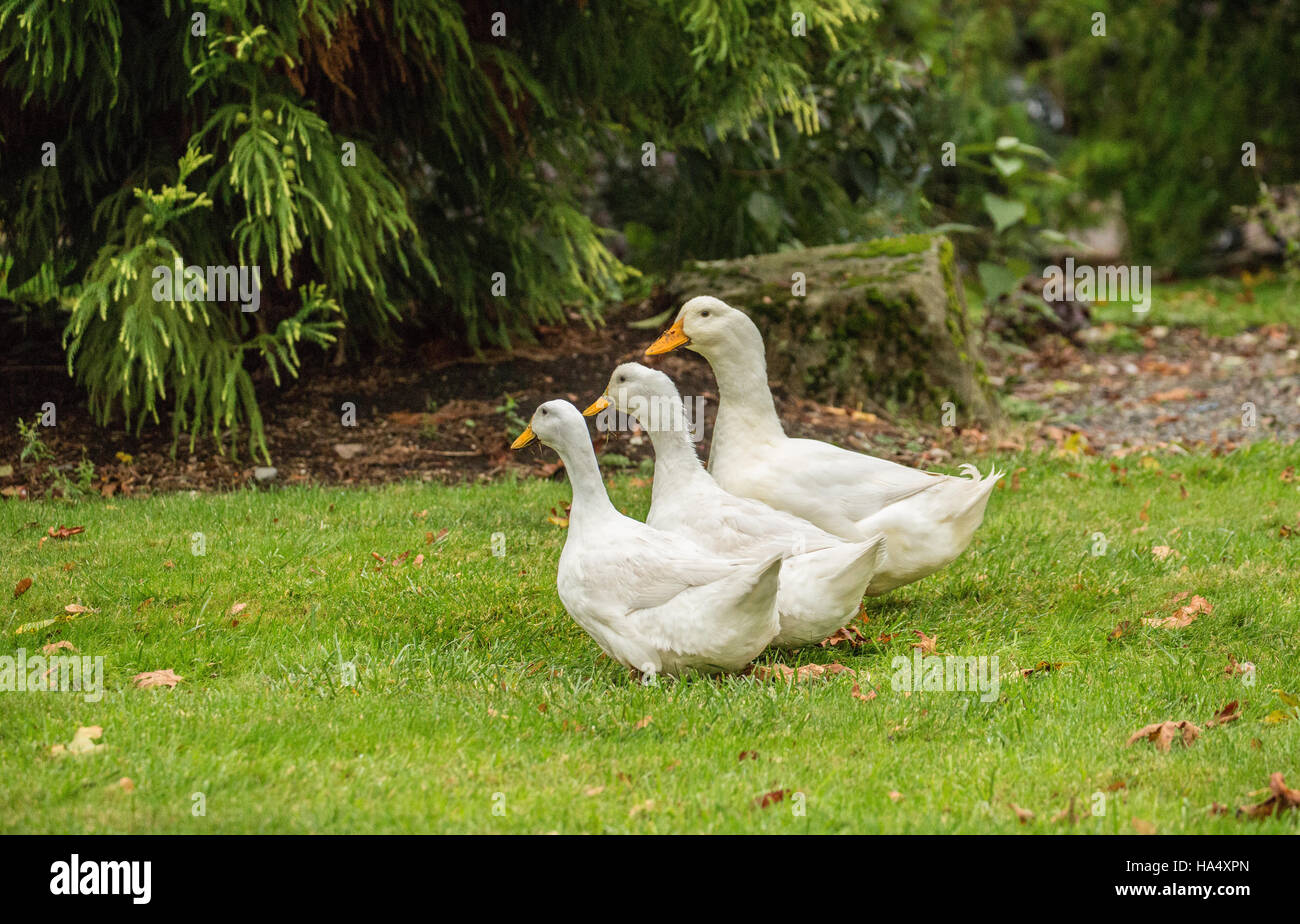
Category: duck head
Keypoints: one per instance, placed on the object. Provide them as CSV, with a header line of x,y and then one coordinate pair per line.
x,y
710,327
557,424
635,390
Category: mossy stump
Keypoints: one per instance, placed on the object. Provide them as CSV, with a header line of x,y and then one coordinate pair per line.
x,y
881,324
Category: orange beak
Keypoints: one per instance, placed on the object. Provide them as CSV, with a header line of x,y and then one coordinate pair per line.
x,y
524,438
597,406
669,340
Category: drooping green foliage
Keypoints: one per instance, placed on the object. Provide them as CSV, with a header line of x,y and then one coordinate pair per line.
x,y
378,162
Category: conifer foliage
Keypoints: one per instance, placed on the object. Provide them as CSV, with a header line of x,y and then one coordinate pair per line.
x,y
378,162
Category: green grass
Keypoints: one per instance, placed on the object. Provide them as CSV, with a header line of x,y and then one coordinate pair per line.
x,y
473,682
1217,305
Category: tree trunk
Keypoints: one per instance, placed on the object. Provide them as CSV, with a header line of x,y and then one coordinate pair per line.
x,y
882,324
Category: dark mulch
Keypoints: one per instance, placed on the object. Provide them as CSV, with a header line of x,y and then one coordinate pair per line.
x,y
421,415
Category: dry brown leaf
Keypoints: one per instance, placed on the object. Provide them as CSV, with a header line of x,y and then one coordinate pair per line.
x,y
1142,826
1225,715
644,722
63,532
857,693
418,560
1042,667
748,755
162,678
850,634
1283,799
1066,814
126,784
1183,616
926,643
805,672
77,608
1023,815
771,798
238,608
1162,734
52,647
22,587
1119,630
894,795
1161,552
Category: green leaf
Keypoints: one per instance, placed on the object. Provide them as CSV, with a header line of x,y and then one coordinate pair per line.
x,y
1007,166
1004,212
996,280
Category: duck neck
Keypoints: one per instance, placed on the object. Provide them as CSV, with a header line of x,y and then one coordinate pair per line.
x,y
590,500
676,462
746,411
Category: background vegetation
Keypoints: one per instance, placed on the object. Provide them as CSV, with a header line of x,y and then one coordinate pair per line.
x,y
382,161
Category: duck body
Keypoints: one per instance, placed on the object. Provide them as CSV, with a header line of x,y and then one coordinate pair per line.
x,y
652,601
927,518
823,577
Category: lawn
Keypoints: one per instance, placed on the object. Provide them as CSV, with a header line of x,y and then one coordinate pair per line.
x,y
479,706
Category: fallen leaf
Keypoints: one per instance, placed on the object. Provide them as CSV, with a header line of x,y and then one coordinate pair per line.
x,y
52,647
1183,616
1164,733
22,587
1119,630
1041,667
850,634
1161,552
162,678
1066,814
771,798
418,560
63,532
927,644
805,672
559,519
238,608
593,790
1225,715
1141,826
894,795
1023,815
857,693
1283,799
76,608
748,755
644,722
646,806
1233,668
126,784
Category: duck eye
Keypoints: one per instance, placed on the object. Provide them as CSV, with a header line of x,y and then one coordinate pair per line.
x,y
545,412
704,314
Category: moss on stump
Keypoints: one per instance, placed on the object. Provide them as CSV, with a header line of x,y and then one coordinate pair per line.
x,y
882,324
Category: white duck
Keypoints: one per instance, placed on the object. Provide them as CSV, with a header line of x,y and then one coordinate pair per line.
x,y
927,518
651,600
823,577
